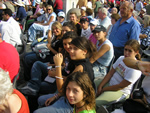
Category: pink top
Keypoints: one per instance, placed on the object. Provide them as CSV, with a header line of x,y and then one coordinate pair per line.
x,y
93,39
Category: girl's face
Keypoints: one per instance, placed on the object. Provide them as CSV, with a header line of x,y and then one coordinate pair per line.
x,y
76,53
65,29
92,27
99,35
56,31
49,10
74,93
66,44
129,52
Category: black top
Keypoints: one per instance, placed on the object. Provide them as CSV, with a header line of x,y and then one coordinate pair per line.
x,y
87,67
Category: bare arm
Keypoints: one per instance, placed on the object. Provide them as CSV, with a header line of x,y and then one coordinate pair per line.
x,y
50,20
140,65
100,53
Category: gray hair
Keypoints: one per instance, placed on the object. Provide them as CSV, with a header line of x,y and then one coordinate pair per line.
x,y
103,10
5,86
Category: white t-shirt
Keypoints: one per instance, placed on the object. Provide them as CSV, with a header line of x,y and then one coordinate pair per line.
x,y
106,22
89,5
48,17
86,33
124,72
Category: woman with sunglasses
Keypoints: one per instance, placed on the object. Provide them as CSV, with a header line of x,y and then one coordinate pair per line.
x,y
42,26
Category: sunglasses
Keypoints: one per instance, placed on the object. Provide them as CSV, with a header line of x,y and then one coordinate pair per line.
x,y
49,9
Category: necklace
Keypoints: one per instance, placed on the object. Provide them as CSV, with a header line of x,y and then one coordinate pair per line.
x,y
77,108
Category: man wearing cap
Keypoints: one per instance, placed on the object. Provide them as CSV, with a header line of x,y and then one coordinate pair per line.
x,y
126,28
83,12
86,32
104,20
61,17
13,33
93,24
21,13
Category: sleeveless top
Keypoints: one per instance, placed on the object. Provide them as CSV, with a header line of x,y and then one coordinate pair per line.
x,y
107,57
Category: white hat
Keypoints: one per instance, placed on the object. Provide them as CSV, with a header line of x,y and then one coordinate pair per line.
x,y
38,1
20,3
61,14
83,8
143,9
94,22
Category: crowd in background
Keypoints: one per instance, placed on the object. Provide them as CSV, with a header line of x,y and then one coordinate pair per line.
x,y
80,60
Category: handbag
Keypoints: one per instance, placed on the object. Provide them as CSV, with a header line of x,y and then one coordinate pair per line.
x,y
40,48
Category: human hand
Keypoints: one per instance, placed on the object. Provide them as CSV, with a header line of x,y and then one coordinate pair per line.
x,y
144,67
58,59
49,101
52,72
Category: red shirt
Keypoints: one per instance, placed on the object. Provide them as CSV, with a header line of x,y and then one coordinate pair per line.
x,y
24,107
9,59
58,4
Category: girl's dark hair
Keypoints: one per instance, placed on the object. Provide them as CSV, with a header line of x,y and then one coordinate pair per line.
x,y
84,44
84,82
135,46
89,11
71,25
69,34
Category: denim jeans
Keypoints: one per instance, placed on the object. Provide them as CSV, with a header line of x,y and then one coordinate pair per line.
x,y
38,73
29,59
60,106
99,70
33,28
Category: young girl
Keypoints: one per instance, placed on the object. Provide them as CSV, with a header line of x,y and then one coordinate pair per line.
x,y
105,52
119,81
39,72
79,92
80,51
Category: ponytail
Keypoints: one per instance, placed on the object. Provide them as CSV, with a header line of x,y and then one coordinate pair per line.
x,y
138,56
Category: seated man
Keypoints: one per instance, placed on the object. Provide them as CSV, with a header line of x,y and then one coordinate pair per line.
x,y
21,13
10,29
9,59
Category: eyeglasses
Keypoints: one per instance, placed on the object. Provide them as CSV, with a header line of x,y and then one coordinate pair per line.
x,y
49,9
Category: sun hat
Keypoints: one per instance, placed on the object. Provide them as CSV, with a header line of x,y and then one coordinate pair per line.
x,y
19,3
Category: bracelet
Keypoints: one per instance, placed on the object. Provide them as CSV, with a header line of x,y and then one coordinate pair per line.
x,y
58,77
136,64
56,96
57,66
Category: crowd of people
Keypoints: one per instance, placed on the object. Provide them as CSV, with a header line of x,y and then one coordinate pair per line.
x,y
93,58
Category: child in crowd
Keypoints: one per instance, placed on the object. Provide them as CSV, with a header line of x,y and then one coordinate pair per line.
x,y
119,81
80,51
104,55
79,92
93,24
11,100
86,32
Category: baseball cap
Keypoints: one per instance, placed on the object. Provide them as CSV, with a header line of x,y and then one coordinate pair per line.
x,y
99,28
143,9
83,8
94,22
84,18
61,14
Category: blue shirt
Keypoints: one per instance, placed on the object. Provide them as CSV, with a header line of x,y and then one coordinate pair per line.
x,y
121,33
21,13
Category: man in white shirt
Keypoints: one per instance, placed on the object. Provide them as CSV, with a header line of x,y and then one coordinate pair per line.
x,y
10,29
104,20
86,31
138,5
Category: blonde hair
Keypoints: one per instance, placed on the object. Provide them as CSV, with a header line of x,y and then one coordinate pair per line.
x,y
50,7
6,86
146,21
